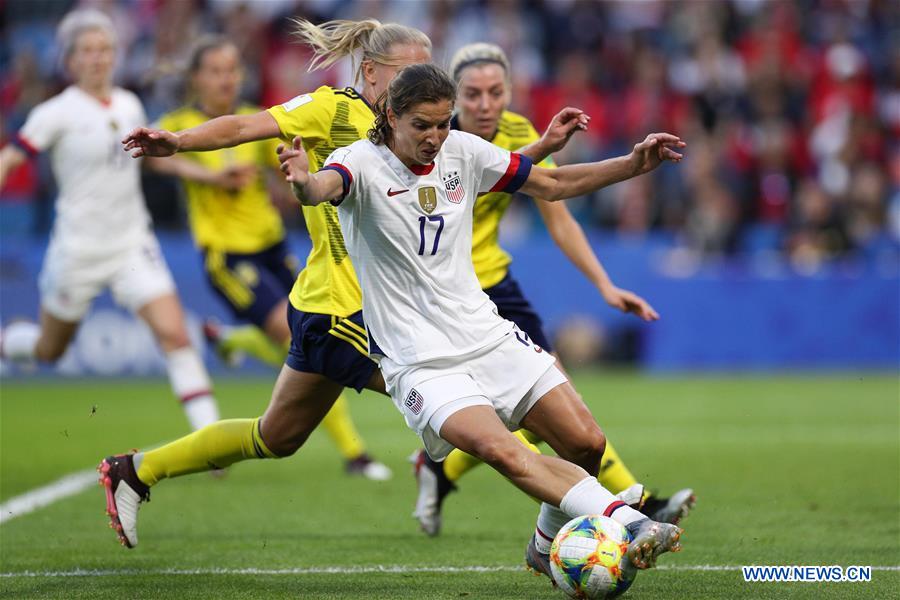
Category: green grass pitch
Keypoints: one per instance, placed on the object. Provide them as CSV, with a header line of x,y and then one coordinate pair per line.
x,y
801,470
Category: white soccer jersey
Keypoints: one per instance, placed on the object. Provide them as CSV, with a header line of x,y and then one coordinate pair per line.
x,y
409,233
100,207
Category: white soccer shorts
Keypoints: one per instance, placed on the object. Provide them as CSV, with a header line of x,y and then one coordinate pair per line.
x,y
69,281
510,375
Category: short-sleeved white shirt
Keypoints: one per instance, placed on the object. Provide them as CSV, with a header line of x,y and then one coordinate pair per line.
x,y
410,237
100,207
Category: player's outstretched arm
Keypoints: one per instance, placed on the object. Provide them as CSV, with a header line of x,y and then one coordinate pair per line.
x,y
221,132
230,179
568,235
559,131
310,189
574,180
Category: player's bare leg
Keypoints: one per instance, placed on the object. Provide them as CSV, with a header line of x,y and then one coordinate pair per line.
x,y
561,419
557,482
187,373
56,335
25,342
549,418
478,431
299,402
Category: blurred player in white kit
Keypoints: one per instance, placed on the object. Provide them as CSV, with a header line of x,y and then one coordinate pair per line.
x,y
102,235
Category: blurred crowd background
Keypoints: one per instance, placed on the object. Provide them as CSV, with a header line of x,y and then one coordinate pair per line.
x,y
791,108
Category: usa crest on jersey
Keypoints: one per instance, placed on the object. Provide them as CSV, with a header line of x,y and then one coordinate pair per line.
x,y
414,401
453,185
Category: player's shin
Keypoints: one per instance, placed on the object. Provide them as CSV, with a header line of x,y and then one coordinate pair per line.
x,y
215,446
192,386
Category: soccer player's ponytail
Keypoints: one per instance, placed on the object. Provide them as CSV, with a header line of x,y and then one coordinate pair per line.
x,y
412,85
334,40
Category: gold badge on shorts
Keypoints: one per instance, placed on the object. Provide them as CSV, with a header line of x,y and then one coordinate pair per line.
x,y
428,199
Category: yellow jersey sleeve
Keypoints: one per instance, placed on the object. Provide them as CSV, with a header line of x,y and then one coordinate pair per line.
x,y
308,115
490,260
240,222
326,119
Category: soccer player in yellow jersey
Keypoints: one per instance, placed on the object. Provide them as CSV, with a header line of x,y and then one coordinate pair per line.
x,y
241,234
481,72
329,341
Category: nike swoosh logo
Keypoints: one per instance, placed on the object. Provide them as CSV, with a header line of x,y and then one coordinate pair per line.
x,y
395,192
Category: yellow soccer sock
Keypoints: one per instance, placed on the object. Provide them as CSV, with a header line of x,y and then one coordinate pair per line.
x,y
458,463
614,475
214,447
339,425
253,341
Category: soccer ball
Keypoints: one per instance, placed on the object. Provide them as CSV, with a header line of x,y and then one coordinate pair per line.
x,y
588,559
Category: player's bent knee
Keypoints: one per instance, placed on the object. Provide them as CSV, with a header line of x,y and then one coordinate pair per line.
x,y
586,449
286,446
509,458
285,443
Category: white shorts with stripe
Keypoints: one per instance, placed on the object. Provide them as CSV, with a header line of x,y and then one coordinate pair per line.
x,y
510,375
70,281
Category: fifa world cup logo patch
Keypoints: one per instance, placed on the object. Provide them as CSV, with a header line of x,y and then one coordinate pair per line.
x,y
428,199
456,193
414,401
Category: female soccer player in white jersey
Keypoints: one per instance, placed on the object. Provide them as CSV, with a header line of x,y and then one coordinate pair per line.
x,y
482,74
329,340
101,237
461,375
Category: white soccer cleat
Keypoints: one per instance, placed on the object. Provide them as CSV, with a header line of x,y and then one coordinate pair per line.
x,y
369,468
651,540
433,488
124,495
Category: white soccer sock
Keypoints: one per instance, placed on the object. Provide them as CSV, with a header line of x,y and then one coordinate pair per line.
x,y
191,384
550,520
588,497
20,341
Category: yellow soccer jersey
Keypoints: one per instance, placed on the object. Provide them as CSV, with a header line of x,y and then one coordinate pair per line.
x,y
326,119
241,222
490,260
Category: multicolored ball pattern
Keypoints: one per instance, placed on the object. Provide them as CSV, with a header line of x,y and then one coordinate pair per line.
x,y
588,560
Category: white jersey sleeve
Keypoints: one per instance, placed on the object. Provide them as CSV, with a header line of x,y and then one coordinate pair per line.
x,y
44,126
342,161
496,169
